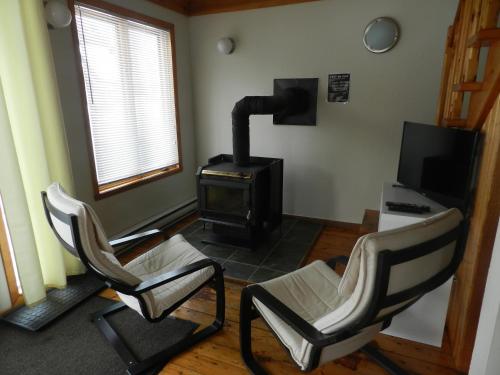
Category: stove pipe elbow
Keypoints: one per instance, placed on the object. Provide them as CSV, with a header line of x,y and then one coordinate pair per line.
x,y
289,102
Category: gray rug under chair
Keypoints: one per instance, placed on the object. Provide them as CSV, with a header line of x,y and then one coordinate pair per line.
x,y
74,345
284,251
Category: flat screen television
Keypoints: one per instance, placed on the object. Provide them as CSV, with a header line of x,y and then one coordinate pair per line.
x,y
439,163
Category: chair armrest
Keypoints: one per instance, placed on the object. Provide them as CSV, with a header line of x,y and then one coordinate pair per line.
x,y
332,262
134,237
165,278
303,328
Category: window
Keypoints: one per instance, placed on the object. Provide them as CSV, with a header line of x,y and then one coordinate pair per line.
x,y
128,70
8,259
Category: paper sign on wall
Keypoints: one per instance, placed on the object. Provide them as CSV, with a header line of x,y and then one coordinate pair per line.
x,y
338,87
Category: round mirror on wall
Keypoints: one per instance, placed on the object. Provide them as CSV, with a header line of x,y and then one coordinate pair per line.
x,y
381,35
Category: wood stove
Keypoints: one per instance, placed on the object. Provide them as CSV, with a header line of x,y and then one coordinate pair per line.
x,y
242,196
242,203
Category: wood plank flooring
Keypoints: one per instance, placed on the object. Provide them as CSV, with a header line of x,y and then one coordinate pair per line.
x,y
219,355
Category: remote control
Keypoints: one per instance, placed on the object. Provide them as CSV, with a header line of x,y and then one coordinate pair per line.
x,y
407,207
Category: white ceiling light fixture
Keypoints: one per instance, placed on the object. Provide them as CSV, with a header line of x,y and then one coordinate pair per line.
x,y
226,46
57,14
381,35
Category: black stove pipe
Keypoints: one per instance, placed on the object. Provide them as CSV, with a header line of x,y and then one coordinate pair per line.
x,y
290,102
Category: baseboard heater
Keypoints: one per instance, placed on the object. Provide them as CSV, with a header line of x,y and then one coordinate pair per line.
x,y
164,226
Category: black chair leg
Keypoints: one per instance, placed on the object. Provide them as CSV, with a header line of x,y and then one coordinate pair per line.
x,y
99,319
158,360
220,293
164,356
384,362
247,314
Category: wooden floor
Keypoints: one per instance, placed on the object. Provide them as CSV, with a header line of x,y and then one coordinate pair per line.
x,y
219,355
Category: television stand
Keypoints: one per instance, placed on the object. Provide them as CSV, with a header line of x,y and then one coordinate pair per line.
x,y
400,186
415,323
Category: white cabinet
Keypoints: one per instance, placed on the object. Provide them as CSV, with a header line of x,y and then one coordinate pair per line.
x,y
485,358
424,321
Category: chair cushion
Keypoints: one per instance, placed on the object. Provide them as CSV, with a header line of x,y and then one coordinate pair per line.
x,y
172,254
311,292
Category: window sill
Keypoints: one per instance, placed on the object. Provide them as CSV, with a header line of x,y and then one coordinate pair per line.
x,y
106,190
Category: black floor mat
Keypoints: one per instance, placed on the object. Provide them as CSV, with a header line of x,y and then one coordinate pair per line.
x,y
58,302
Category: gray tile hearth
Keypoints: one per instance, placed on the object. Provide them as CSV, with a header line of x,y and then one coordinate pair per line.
x,y
287,256
238,270
192,228
219,251
283,252
251,257
195,240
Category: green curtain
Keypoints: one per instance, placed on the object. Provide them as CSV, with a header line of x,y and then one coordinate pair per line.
x,y
17,215
34,120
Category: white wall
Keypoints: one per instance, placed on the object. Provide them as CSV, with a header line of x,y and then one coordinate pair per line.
x,y
486,355
125,209
336,169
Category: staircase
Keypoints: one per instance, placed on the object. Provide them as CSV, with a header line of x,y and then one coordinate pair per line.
x,y
471,70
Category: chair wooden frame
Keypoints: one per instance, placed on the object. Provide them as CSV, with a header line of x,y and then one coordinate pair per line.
x,y
386,259
134,366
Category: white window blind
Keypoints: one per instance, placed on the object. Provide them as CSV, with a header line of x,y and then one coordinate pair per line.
x,y
129,83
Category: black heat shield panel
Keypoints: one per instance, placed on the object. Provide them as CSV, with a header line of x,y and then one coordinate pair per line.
x,y
308,87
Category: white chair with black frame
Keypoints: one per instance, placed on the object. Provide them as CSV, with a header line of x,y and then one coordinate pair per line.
x,y
154,284
319,316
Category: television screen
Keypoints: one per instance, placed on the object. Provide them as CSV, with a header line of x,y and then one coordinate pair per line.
x,y
438,162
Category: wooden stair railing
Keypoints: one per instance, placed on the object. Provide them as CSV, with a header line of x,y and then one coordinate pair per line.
x,y
468,86
483,94
482,101
474,28
484,38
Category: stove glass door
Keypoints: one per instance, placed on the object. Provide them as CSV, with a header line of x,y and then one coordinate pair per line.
x,y
227,200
